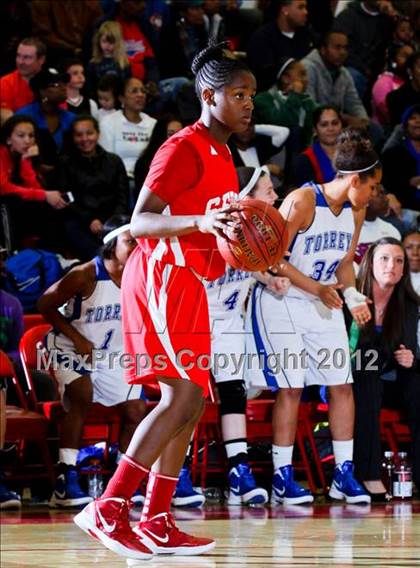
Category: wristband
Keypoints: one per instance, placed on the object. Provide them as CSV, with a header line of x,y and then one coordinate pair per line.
x,y
353,298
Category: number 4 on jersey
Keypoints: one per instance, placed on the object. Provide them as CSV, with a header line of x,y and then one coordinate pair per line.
x,y
231,302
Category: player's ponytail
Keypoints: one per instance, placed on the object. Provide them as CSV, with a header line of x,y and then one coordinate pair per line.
x,y
215,67
355,154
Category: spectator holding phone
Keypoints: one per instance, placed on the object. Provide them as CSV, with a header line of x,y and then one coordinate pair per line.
x,y
30,207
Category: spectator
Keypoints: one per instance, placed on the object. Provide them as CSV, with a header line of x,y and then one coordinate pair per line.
x,y
29,206
90,296
98,183
287,36
109,56
53,122
287,103
261,144
316,162
14,87
164,129
392,335
76,102
182,39
369,32
107,95
329,83
141,56
127,132
374,226
63,25
408,94
391,79
401,166
15,25
411,244
213,20
404,31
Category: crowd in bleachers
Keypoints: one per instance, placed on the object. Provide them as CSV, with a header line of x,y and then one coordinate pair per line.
x,y
89,90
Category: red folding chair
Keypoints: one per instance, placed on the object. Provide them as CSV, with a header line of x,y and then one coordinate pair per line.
x,y
23,426
102,423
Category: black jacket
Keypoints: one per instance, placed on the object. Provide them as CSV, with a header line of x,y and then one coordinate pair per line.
x,y
368,38
99,185
268,45
399,166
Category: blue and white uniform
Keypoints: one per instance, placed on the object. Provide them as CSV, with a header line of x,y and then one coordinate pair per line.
x,y
98,318
226,298
295,340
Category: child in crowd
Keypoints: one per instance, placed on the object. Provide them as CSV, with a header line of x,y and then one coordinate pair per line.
x,y
76,102
107,95
109,56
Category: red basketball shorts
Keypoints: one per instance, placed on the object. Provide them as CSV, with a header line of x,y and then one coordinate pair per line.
x,y
165,321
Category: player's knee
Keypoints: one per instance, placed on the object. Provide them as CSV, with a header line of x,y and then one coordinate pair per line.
x,y
290,395
133,411
79,394
232,396
341,391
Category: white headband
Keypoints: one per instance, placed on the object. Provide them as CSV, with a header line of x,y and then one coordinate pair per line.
x,y
107,238
358,171
284,67
254,178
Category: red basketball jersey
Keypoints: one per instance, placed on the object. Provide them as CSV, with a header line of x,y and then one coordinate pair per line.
x,y
194,174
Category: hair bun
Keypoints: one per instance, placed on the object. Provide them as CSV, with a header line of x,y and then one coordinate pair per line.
x,y
214,52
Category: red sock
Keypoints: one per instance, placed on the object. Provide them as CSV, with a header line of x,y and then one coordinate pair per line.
x,y
126,479
160,489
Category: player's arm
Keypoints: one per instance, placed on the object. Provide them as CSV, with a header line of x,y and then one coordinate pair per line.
x,y
277,284
147,219
298,210
356,302
80,280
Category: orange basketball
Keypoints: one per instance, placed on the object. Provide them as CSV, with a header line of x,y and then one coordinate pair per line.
x,y
262,240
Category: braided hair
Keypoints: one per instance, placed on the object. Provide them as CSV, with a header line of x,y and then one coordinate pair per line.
x,y
215,67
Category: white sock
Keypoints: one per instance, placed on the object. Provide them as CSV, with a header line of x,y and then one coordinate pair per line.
x,y
235,447
67,456
282,455
343,451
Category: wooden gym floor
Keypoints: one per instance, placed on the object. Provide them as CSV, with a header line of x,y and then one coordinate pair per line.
x,y
322,535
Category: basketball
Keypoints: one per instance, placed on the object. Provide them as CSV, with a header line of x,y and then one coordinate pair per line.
x,y
262,240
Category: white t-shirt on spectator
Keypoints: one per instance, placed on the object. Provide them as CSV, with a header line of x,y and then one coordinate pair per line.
x,y
371,232
126,139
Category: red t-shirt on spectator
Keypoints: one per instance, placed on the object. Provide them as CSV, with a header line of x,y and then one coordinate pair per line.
x,y
15,92
30,190
138,48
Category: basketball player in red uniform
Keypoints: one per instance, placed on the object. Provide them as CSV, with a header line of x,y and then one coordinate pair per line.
x,y
183,205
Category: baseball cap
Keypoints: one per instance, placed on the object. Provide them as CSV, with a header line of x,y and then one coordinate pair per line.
x,y
46,77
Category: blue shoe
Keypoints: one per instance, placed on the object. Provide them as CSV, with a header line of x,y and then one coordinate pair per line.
x,y
286,490
185,494
345,486
67,491
138,498
243,489
9,499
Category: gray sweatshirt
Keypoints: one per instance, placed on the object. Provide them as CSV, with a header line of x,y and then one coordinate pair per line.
x,y
341,93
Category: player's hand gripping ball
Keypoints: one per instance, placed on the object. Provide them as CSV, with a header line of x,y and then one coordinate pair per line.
x,y
261,240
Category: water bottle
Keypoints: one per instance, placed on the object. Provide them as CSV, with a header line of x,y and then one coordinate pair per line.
x,y
388,467
403,479
95,480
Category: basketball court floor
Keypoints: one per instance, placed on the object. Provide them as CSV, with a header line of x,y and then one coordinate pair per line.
x,y
321,535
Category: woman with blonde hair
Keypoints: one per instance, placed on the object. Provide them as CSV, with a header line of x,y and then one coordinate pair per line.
x,y
109,55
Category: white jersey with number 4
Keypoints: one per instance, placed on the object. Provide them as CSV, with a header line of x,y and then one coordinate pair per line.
x,y
226,297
